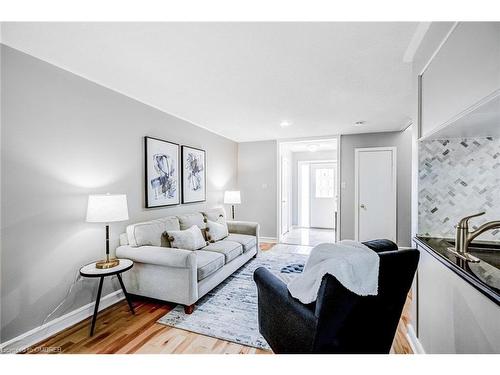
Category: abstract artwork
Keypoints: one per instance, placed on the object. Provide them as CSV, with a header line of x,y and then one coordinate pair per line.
x,y
162,173
193,175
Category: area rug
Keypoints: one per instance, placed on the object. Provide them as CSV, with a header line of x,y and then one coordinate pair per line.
x,y
229,312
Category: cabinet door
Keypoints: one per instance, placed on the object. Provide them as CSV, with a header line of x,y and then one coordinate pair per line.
x,y
465,70
453,316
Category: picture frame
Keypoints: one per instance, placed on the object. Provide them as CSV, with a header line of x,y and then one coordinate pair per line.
x,y
194,174
162,176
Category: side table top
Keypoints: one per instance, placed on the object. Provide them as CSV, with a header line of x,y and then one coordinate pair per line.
x,y
90,270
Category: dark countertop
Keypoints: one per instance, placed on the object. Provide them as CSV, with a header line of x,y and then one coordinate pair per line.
x,y
484,276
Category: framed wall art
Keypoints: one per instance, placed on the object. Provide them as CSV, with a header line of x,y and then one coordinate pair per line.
x,y
162,172
194,170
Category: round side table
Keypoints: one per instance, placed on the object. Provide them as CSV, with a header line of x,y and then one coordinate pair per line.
x,y
90,270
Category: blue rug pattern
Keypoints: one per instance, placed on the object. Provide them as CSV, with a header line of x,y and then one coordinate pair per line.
x,y
229,311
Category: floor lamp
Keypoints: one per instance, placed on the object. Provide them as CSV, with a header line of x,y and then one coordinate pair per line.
x,y
232,197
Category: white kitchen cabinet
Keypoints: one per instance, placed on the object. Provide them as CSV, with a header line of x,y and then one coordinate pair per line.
x,y
464,72
453,316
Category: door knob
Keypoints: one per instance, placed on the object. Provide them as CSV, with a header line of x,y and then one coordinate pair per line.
x,y
362,206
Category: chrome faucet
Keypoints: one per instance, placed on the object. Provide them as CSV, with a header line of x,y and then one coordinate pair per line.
x,y
464,237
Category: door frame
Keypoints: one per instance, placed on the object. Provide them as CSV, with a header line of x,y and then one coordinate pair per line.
x,y
325,161
289,193
277,160
357,151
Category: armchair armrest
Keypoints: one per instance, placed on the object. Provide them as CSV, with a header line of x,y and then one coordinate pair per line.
x,y
169,257
286,324
243,227
381,245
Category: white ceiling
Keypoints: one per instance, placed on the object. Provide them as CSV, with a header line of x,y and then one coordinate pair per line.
x,y
305,146
241,80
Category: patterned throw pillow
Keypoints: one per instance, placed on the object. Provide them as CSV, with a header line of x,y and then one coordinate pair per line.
x,y
216,230
188,239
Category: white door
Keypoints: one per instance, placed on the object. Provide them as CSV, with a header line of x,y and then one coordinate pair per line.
x,y
375,193
285,206
322,195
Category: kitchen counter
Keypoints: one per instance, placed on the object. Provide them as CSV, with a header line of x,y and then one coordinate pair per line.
x,y
484,276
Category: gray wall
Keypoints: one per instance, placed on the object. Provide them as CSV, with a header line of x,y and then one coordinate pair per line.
x,y
401,140
64,137
257,180
304,156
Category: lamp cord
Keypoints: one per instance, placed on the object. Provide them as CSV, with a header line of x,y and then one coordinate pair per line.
x,y
77,278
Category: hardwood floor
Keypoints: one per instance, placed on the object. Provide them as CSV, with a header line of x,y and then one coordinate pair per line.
x,y
400,345
118,331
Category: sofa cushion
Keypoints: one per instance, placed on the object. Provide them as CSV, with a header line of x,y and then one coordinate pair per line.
x,y
216,231
245,240
208,262
216,214
171,223
150,232
188,220
230,249
188,239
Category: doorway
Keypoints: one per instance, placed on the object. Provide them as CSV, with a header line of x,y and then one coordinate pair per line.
x,y
308,191
322,195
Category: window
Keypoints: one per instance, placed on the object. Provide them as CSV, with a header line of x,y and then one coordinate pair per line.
x,y
324,183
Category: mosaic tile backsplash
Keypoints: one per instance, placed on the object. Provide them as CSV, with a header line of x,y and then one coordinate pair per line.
x,y
458,177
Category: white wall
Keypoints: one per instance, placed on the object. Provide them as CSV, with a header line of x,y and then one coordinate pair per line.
x,y
304,156
258,183
433,38
400,140
64,137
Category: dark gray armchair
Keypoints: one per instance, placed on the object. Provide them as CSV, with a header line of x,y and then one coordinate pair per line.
x,y
339,321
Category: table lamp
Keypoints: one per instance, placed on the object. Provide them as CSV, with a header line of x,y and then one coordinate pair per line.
x,y
107,208
232,197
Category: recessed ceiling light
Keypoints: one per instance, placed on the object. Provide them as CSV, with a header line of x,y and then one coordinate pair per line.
x,y
284,124
359,123
312,148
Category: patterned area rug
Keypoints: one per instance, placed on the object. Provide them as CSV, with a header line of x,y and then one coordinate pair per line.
x,y
229,312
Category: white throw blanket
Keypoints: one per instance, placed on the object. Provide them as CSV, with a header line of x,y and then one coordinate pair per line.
x,y
353,264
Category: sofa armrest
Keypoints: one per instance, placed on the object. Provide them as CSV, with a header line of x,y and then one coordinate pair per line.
x,y
243,227
162,256
288,325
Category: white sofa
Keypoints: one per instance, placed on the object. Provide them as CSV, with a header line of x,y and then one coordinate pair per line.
x,y
183,276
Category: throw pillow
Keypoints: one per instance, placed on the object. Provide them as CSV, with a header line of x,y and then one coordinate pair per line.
x,y
216,230
188,239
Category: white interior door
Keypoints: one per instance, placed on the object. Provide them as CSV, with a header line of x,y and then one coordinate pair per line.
x,y
285,204
375,193
322,195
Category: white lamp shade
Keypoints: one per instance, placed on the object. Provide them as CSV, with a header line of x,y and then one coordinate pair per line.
x,y
232,197
106,208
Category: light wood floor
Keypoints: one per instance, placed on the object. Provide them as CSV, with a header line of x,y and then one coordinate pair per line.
x,y
118,331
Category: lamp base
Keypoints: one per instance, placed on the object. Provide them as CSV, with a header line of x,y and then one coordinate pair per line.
x,y
107,263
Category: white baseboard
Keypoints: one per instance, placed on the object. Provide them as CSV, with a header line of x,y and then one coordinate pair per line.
x,y
268,239
43,332
415,344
